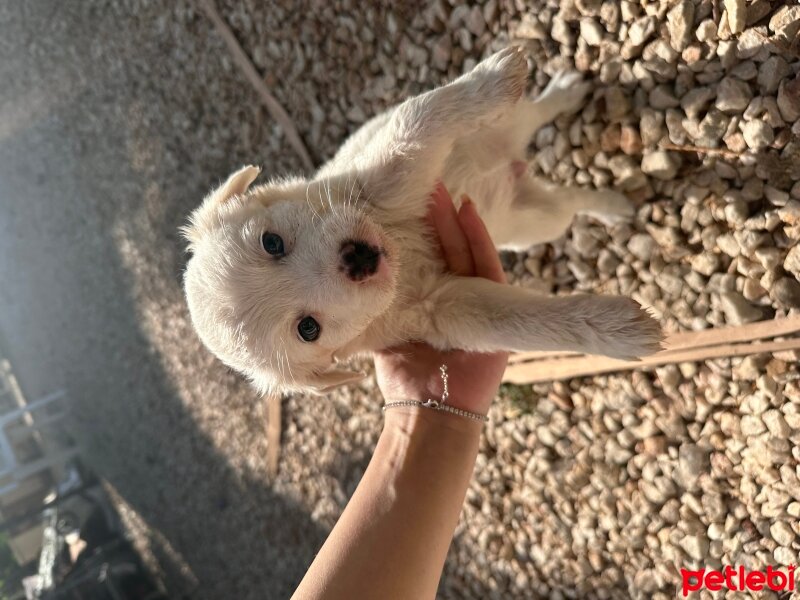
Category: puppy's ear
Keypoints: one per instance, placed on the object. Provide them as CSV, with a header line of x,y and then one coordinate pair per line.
x,y
325,382
204,217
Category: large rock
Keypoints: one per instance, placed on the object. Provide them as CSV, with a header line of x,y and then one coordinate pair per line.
x,y
789,99
737,15
792,262
696,546
782,533
696,100
786,292
738,310
692,462
591,32
679,24
757,134
733,95
641,246
771,72
786,21
660,164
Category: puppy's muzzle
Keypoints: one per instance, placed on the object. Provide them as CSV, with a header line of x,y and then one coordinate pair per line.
x,y
359,260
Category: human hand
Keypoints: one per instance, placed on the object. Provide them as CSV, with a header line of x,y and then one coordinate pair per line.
x,y
411,371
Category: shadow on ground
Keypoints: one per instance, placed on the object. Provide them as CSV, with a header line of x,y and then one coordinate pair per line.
x,y
107,139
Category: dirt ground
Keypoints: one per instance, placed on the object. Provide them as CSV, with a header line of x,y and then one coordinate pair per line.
x,y
115,119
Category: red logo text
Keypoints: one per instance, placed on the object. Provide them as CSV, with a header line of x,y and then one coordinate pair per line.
x,y
737,579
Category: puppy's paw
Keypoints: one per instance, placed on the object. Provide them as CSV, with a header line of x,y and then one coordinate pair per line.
x,y
610,207
502,77
567,89
625,330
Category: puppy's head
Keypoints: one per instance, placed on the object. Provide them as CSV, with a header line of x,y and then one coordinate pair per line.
x,y
284,276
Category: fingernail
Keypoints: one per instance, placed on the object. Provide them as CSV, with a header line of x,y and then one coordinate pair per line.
x,y
466,200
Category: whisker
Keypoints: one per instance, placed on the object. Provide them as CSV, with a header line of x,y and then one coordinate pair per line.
x,y
319,192
352,190
288,363
323,188
308,201
330,198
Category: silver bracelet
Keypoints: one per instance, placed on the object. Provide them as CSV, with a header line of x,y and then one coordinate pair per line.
x,y
439,404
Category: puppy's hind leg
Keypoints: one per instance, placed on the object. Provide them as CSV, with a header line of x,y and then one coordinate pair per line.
x,y
507,139
504,142
564,94
542,212
410,152
607,206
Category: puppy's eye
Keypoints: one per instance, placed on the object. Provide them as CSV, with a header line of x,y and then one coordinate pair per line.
x,y
273,243
308,329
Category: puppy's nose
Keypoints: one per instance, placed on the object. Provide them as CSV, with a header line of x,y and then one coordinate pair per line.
x,y
359,259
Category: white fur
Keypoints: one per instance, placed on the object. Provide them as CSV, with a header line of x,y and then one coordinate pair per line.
x,y
471,134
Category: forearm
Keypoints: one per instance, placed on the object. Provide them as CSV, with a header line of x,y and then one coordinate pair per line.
x,y
392,539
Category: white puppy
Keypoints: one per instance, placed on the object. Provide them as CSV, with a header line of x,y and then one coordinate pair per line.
x,y
289,278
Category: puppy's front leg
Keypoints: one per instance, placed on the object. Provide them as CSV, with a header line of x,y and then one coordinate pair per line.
x,y
483,316
409,152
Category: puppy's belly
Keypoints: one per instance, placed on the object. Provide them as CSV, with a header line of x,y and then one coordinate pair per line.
x,y
493,193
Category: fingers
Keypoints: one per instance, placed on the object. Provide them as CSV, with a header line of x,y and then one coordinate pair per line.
x,y
484,254
455,245
467,247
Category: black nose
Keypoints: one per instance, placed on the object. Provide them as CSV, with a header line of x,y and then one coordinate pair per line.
x,y
359,259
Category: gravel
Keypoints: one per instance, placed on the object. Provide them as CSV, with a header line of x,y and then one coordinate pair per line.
x,y
660,164
758,134
788,99
733,95
120,114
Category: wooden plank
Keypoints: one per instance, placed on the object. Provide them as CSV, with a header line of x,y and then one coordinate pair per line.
x,y
524,357
245,65
698,339
578,366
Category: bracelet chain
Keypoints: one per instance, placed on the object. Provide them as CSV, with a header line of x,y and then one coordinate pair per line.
x,y
439,404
